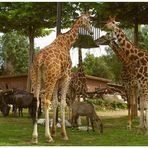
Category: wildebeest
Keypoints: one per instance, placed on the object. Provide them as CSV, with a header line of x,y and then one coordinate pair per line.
x,y
4,108
85,109
19,99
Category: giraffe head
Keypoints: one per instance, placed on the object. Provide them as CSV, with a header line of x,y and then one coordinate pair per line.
x,y
111,24
104,40
85,22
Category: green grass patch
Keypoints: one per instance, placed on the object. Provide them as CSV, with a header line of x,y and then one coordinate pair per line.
x,y
17,131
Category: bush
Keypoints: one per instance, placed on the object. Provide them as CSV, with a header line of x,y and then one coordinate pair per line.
x,y
101,104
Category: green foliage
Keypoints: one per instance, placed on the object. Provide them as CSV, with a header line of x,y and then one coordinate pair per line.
x,y
126,12
14,50
84,41
114,65
74,69
143,37
101,104
96,66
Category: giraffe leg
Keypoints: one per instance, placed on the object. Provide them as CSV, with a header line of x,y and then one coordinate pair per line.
x,y
142,122
87,119
47,104
55,106
129,117
64,84
146,105
35,132
129,112
141,113
36,91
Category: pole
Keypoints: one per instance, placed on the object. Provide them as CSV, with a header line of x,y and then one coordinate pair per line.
x,y
59,10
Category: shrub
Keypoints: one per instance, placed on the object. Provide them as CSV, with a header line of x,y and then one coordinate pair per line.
x,y
101,104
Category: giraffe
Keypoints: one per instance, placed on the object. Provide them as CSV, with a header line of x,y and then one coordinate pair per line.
x,y
78,81
139,60
53,63
126,70
77,86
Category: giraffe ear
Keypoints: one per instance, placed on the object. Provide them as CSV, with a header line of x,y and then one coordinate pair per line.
x,y
88,14
110,17
114,17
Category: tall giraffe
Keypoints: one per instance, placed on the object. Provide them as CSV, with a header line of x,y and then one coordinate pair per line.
x,y
140,77
126,71
54,63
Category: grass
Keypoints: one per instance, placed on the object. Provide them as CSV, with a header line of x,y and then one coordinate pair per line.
x,y
17,131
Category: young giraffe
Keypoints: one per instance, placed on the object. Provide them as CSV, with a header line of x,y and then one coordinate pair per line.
x,y
78,81
140,72
54,63
126,71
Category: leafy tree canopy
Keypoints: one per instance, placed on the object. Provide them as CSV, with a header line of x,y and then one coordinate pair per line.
x,y
126,12
96,66
14,53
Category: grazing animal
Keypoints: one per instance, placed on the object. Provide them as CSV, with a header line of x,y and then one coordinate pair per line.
x,y
4,108
19,99
23,99
54,63
85,109
139,70
5,100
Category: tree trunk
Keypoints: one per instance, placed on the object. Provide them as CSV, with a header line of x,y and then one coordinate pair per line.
x,y
136,32
31,56
80,56
135,110
59,10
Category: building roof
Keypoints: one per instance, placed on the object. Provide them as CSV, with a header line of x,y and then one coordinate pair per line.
x,y
13,76
98,78
87,76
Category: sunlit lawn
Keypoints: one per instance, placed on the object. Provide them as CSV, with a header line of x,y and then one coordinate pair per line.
x,y
17,131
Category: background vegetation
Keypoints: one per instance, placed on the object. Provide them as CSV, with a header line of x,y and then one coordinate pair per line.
x,y
23,21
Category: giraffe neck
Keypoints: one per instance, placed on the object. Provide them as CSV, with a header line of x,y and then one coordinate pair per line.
x,y
66,40
128,48
73,32
119,52
80,65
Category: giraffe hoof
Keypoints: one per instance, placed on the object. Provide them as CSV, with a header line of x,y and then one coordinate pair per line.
x,y
53,134
65,138
49,140
129,127
34,140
